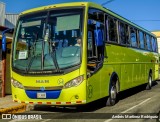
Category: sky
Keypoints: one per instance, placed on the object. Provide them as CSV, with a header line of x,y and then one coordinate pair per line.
x,y
141,12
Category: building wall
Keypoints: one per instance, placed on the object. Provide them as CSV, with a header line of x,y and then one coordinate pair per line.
x,y
2,14
8,76
11,20
7,20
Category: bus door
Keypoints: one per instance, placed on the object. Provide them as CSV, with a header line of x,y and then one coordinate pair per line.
x,y
95,56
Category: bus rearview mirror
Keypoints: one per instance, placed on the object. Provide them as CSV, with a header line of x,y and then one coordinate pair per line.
x,y
3,43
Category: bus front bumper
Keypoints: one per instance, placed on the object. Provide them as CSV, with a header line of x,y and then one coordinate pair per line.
x,y
65,97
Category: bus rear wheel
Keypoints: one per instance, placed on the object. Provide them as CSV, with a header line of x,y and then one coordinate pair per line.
x,y
149,84
112,95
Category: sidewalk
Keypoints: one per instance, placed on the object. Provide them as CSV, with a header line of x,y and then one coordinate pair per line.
x,y
8,106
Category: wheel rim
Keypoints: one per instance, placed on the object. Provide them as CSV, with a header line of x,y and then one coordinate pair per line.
x,y
113,93
150,81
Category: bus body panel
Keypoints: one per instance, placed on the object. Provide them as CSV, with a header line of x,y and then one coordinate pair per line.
x,y
34,84
135,69
131,71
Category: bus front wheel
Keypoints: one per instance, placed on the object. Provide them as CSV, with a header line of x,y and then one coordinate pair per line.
x,y
112,95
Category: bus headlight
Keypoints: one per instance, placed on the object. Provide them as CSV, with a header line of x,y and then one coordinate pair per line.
x,y
74,82
17,84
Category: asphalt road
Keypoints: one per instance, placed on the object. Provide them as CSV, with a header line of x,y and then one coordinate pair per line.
x,y
134,103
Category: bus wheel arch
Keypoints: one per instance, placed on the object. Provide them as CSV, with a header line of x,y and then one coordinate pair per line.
x,y
149,83
114,88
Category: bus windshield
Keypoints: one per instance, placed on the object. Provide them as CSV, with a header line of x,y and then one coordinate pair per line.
x,y
46,41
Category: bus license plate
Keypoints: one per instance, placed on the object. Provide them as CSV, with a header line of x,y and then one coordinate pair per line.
x,y
41,95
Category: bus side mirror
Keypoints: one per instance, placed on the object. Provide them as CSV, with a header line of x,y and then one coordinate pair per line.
x,y
4,38
4,43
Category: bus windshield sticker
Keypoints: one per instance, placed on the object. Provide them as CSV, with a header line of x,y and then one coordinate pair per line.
x,y
68,22
22,54
33,23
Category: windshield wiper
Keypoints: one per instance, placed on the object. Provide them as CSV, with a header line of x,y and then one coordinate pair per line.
x,y
54,58
29,64
45,40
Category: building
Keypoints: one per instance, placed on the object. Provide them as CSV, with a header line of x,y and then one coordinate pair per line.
x,y
10,20
2,13
157,33
6,21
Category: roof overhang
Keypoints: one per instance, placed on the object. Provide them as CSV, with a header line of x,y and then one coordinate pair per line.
x,y
8,35
157,33
2,28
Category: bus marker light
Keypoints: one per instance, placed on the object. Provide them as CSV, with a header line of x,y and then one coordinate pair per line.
x,y
48,102
58,102
68,102
78,101
39,102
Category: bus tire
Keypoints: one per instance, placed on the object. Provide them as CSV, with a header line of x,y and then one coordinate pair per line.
x,y
112,99
149,84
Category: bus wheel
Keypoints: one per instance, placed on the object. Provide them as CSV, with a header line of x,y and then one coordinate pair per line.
x,y
149,84
113,95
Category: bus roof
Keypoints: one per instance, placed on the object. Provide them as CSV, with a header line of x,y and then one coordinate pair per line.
x,y
54,6
88,4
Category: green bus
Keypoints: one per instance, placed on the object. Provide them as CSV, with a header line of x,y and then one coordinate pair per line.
x,y
48,67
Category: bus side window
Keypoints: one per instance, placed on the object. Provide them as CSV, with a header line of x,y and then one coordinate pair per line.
x,y
141,39
148,42
154,45
123,33
133,37
112,29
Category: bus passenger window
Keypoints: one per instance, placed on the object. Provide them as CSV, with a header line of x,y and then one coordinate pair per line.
x,y
133,37
141,39
112,29
148,42
154,45
123,33
127,34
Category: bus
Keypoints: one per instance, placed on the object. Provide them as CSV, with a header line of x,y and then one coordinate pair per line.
x,y
48,67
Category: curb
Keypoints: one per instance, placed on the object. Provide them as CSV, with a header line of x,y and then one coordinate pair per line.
x,y
14,109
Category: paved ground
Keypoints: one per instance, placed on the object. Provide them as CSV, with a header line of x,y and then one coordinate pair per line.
x,y
134,103
8,106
